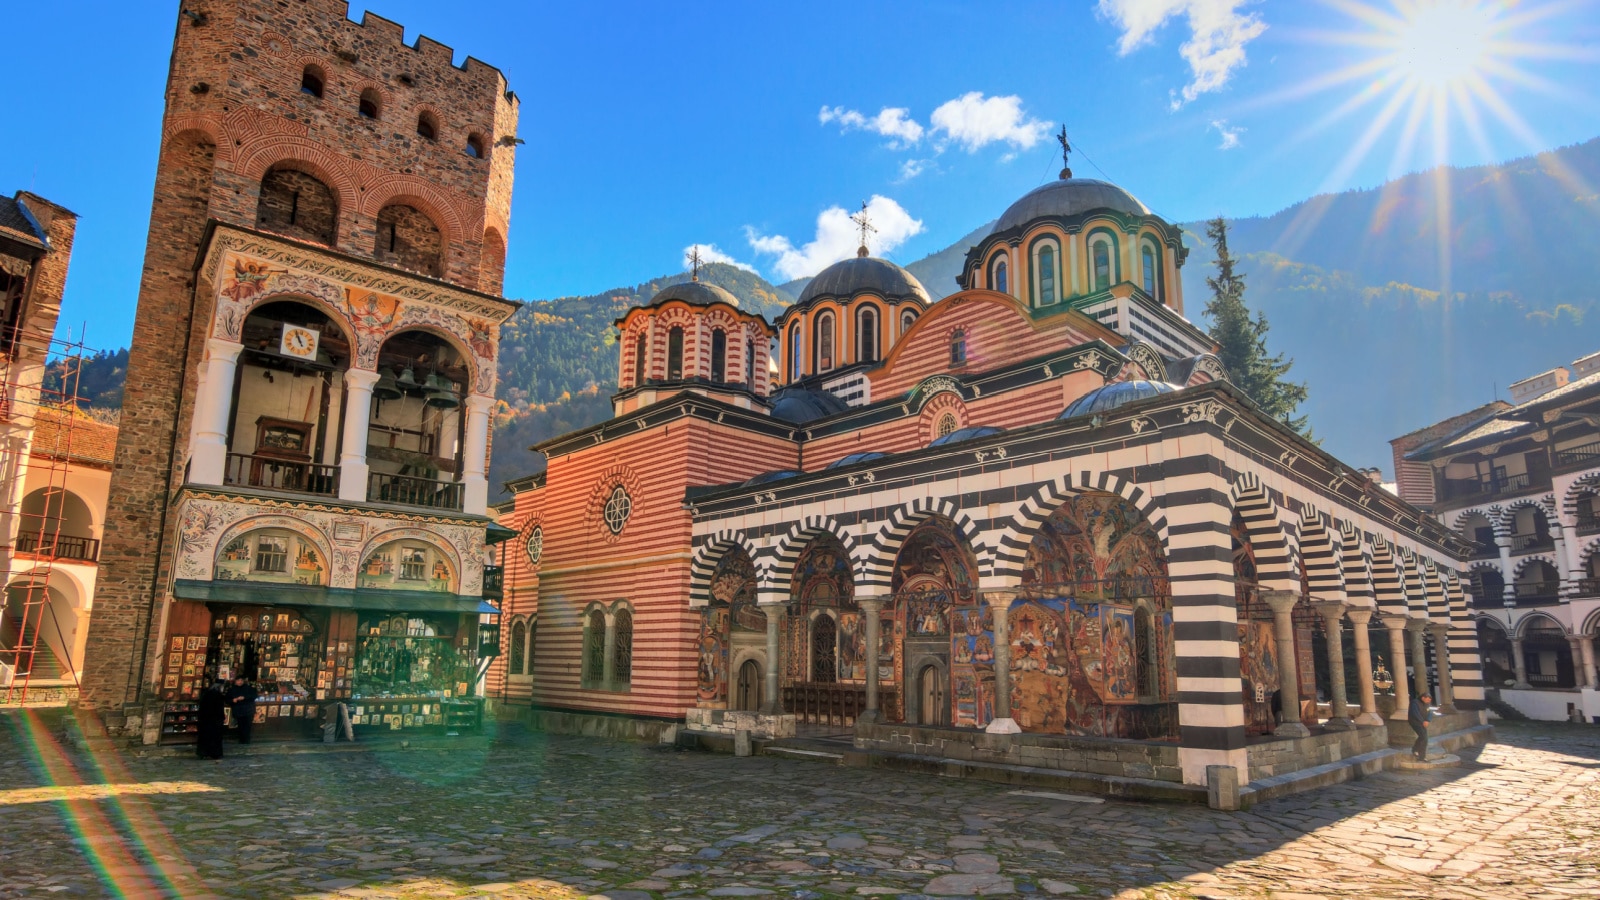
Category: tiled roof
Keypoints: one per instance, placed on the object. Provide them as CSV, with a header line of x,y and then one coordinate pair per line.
x,y
88,441
1496,426
14,224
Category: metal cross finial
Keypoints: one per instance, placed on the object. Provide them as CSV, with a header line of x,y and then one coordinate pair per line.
x,y
864,225
694,263
1066,152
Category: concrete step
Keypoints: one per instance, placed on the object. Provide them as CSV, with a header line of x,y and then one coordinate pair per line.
x,y
1030,776
1318,776
1443,761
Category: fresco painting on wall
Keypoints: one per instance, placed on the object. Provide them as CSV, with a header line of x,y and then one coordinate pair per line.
x,y
972,667
822,581
712,679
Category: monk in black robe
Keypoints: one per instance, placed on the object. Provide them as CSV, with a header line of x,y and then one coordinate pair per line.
x,y
212,706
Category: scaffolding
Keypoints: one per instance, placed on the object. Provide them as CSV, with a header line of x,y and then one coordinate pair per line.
x,y
40,414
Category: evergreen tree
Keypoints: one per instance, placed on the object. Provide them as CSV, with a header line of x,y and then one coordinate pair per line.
x,y
1243,340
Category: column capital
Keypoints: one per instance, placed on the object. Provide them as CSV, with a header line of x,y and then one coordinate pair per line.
x,y
223,348
1415,625
1331,610
1395,623
480,403
1001,598
1358,615
1280,601
360,379
873,603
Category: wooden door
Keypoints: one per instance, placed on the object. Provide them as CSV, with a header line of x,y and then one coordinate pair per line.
x,y
931,706
748,696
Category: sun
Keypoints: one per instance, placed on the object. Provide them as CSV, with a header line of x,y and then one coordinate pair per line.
x,y
1444,45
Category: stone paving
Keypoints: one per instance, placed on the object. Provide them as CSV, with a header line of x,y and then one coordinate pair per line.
x,y
530,815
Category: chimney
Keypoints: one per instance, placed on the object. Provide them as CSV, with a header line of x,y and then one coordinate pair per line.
x,y
1529,389
1588,365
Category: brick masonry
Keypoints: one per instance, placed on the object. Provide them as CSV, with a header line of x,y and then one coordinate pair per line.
x,y
234,114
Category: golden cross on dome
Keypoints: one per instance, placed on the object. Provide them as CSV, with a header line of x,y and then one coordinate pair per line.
x,y
1066,152
864,225
694,263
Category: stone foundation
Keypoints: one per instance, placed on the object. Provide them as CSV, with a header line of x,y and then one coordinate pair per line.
x,y
732,721
1113,757
1281,756
617,728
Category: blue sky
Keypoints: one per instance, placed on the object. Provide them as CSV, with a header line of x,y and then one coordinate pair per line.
x,y
653,126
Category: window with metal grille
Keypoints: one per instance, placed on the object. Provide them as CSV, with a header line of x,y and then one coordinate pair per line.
x,y
824,650
594,647
413,564
272,554
518,655
947,425
622,662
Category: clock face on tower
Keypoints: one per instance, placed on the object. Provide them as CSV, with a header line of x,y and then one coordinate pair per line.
x,y
298,342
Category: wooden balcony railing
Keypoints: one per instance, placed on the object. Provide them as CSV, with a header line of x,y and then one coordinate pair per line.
x,y
836,704
60,546
1577,456
1588,523
1457,488
411,491
1523,543
282,475
1537,591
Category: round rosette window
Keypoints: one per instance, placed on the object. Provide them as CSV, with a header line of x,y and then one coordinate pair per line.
x,y
535,545
618,507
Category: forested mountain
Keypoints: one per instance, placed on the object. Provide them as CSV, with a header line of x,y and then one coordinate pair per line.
x,y
1391,327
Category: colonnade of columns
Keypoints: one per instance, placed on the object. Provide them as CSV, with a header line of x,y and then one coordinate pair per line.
x,y
208,459
1282,604
1583,662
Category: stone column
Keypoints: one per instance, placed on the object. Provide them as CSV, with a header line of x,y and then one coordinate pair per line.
x,y
353,467
208,459
1579,677
1419,656
475,456
1000,603
772,704
1396,626
870,607
1590,678
1282,604
1563,574
1508,595
1441,659
1332,612
608,667
1520,663
1359,618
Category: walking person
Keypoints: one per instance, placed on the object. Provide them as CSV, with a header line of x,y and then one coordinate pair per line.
x,y
212,705
242,699
1418,716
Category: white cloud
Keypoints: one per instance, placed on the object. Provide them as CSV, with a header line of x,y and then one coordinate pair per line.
x,y
891,122
911,168
837,238
1230,134
710,254
974,121
1218,32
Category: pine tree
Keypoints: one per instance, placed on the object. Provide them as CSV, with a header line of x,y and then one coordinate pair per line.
x,y
1243,340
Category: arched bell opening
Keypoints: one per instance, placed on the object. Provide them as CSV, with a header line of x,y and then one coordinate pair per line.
x,y
288,400
417,431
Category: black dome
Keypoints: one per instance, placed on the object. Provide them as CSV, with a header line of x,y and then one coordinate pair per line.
x,y
1104,399
800,405
1066,198
696,293
849,277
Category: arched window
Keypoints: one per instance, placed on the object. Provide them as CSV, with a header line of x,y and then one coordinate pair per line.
x,y
1047,274
719,355
297,204
958,347
1150,263
675,353
622,656
1100,255
824,342
533,641
475,147
794,352
311,82
946,425
428,126
640,349
867,334
407,238
998,281
369,105
750,364
824,650
517,658
594,647
908,318
1144,650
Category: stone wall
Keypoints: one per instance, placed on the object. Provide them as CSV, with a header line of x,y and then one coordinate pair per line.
x,y
732,721
617,728
1281,756
1113,757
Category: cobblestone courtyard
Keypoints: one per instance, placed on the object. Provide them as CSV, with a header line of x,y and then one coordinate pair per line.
x,y
548,816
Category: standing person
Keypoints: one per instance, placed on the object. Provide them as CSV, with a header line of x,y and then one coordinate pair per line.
x,y
1418,716
212,705
242,698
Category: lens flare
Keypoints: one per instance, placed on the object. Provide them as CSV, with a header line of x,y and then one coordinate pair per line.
x,y
1445,45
